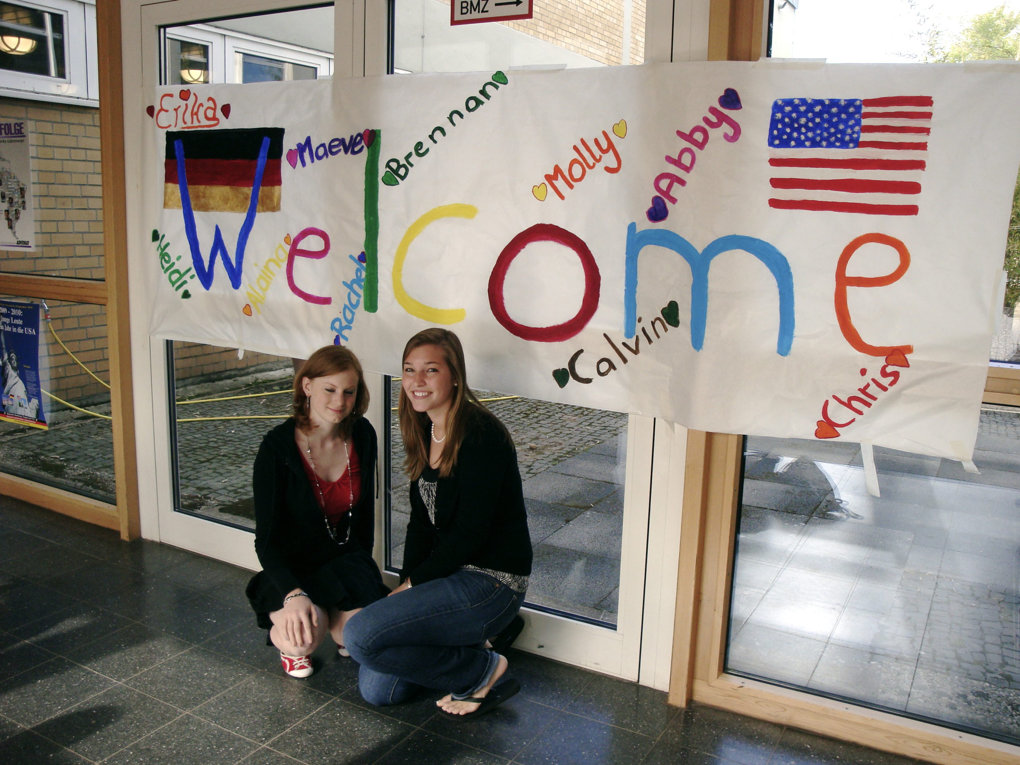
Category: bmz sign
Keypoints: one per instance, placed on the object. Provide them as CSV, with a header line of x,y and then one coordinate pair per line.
x,y
477,11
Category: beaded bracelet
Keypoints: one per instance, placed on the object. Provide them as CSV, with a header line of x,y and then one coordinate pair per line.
x,y
301,594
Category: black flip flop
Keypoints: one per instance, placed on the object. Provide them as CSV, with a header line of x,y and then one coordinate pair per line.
x,y
500,692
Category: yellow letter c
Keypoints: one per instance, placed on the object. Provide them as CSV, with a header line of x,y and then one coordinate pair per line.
x,y
409,304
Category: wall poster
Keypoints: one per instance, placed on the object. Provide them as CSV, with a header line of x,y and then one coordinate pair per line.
x,y
18,229
21,402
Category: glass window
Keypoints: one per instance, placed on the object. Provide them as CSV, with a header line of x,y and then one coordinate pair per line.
x,y
31,41
75,453
905,602
222,406
52,193
572,459
47,51
574,34
572,462
272,47
262,69
187,62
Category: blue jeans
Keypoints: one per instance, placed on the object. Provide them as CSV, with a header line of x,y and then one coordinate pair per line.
x,y
430,636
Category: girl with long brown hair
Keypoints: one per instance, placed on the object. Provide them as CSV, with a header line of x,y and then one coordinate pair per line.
x,y
467,553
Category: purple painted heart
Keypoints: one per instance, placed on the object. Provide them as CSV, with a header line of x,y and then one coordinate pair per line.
x,y
658,211
730,99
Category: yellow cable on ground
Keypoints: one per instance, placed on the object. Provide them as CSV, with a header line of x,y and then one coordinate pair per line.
x,y
231,398
238,417
483,400
49,323
72,406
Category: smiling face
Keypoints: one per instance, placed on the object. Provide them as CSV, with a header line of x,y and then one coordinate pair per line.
x,y
428,381
331,397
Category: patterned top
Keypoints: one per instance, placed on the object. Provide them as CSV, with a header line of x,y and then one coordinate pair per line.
x,y
515,582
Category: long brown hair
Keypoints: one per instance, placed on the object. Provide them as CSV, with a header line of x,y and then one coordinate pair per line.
x,y
414,426
330,360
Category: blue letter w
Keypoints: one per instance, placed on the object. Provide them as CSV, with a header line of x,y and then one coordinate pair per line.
x,y
203,271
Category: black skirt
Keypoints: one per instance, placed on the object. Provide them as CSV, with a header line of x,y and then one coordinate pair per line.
x,y
348,581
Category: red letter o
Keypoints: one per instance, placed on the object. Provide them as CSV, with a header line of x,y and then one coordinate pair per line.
x,y
545,232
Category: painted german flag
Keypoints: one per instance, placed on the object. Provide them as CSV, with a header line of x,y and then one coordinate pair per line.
x,y
220,168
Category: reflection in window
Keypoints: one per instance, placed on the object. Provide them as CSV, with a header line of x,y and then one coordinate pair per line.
x,y
572,461
31,41
222,407
189,62
905,602
261,69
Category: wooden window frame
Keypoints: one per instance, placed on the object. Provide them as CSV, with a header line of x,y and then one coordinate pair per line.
x,y
112,293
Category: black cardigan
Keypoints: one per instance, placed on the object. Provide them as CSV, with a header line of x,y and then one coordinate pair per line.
x,y
291,539
480,514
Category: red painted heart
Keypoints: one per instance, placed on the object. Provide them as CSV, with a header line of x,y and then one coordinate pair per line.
x,y
185,94
225,109
825,430
150,110
368,137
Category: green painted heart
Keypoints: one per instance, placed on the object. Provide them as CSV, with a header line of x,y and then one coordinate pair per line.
x,y
561,376
389,179
502,80
671,313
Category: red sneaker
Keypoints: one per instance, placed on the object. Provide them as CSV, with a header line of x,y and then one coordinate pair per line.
x,y
296,666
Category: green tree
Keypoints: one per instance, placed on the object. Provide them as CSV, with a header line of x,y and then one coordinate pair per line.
x,y
1012,264
990,36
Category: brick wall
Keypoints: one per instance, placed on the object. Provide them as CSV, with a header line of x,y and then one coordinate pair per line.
x,y
68,237
591,28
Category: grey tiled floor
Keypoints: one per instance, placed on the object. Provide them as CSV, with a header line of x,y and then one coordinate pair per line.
x,y
137,652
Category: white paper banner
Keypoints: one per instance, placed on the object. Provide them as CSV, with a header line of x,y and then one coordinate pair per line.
x,y
792,250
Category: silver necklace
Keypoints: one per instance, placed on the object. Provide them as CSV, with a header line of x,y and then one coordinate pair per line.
x,y
433,434
322,496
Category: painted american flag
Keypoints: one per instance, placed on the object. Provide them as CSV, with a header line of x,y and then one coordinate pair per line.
x,y
849,155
